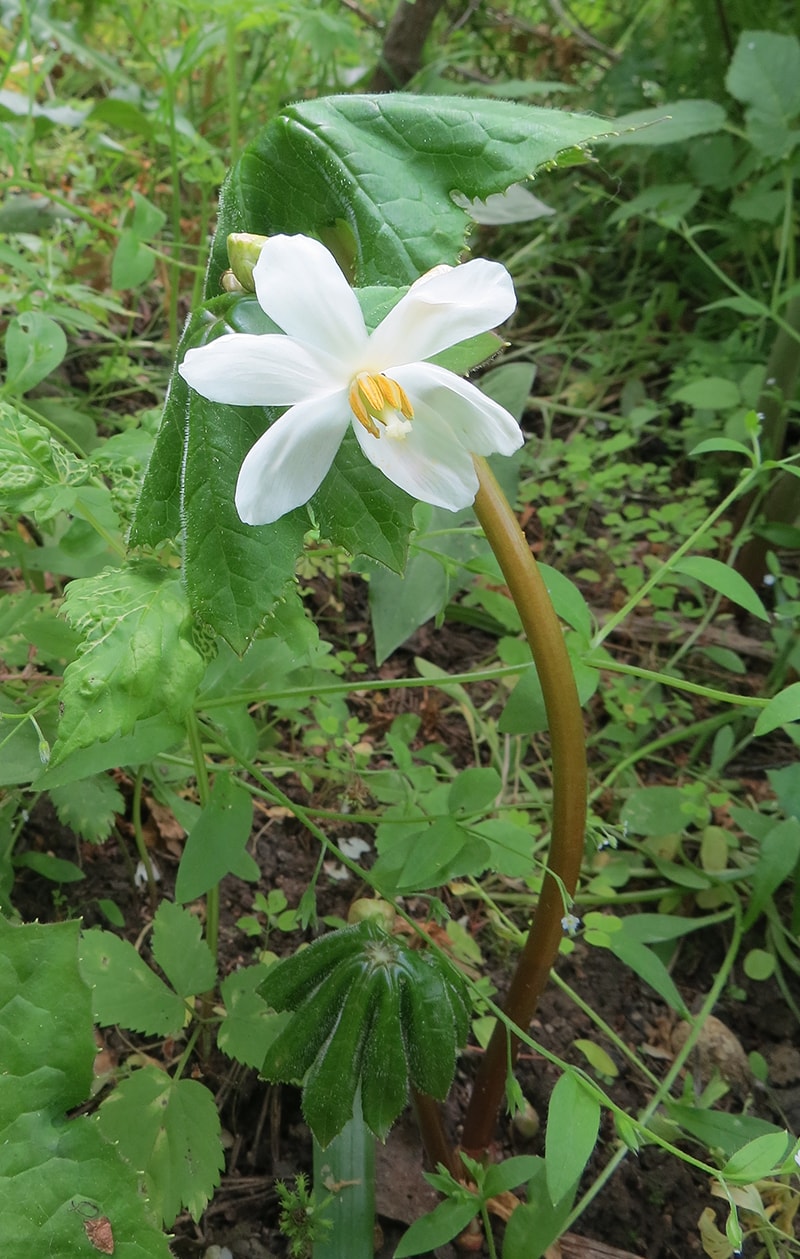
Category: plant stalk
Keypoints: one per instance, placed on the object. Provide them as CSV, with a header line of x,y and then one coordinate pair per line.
x,y
546,640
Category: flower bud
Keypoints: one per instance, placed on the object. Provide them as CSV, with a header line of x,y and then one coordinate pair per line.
x,y
243,253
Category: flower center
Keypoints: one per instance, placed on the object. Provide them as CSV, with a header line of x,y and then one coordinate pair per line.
x,y
377,400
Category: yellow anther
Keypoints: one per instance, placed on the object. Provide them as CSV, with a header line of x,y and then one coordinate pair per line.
x,y
395,396
360,411
377,397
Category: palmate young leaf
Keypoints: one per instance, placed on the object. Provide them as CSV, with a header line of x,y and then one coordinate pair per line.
x,y
37,474
56,1173
124,988
170,1130
181,951
137,659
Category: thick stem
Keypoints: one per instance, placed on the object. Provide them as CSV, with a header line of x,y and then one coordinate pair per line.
x,y
567,743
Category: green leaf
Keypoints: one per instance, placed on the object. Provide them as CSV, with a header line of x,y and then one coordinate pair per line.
x,y
502,1177
648,966
474,791
56,1173
725,580
133,262
387,165
249,1026
56,868
215,845
718,1130
148,219
32,464
362,511
712,393
149,737
181,951
234,573
170,1130
138,659
443,1223
536,1223
654,811
672,123
124,988
765,76
778,856
758,1158
35,345
781,709
573,1122
89,808
758,964
720,443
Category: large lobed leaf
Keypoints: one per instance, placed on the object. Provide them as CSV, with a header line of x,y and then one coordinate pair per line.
x,y
57,1175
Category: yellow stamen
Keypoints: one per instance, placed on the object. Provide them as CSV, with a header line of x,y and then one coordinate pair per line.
x,y
374,397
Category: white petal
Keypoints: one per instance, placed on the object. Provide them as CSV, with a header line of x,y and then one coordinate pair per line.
x,y
290,461
442,310
300,285
243,369
430,463
480,423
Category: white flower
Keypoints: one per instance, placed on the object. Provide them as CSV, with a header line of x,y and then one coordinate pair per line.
x,y
416,422
570,924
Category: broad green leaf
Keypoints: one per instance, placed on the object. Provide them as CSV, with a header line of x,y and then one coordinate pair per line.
x,y
567,600
724,579
510,844
781,709
215,845
502,1177
57,1172
56,868
148,219
443,1223
181,951
137,660
234,573
654,811
35,345
249,1026
778,856
720,1131
573,1122
362,511
474,791
758,1158
170,1130
124,988
133,262
765,76
598,1058
387,165
712,393
786,785
672,123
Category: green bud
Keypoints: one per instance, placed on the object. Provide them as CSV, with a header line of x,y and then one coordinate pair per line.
x,y
243,253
